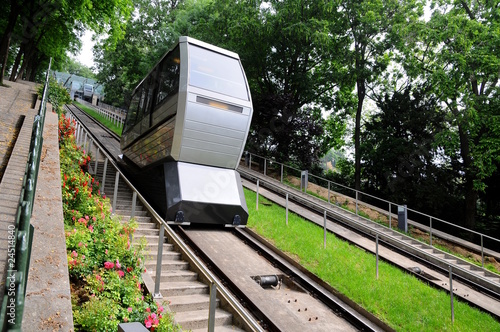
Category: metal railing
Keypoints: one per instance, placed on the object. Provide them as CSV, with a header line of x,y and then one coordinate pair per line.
x,y
343,194
453,270
88,142
21,234
117,118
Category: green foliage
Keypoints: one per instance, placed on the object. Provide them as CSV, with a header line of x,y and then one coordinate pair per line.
x,y
99,250
98,315
57,94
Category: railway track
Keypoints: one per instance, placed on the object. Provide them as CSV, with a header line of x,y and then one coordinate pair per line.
x,y
472,284
292,302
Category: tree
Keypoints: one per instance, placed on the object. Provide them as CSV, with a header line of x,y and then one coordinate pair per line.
x,y
147,37
456,51
402,161
291,62
369,26
49,28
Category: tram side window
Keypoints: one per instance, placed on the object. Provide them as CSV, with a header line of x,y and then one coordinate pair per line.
x,y
216,72
168,77
132,111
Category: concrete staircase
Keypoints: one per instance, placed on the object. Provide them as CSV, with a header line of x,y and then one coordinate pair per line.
x,y
187,296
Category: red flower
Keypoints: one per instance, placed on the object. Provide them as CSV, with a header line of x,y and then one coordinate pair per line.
x,y
108,265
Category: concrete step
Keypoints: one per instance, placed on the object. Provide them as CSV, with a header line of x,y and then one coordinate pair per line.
x,y
179,288
190,303
149,225
147,231
168,265
166,256
153,247
199,319
175,275
127,212
224,328
143,219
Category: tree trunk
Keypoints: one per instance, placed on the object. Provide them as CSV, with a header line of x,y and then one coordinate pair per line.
x,y
471,194
15,10
360,85
16,63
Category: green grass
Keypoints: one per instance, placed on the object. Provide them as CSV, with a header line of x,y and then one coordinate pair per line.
x,y
490,267
397,298
106,122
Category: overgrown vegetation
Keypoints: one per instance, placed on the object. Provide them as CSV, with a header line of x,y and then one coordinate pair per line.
x,y
57,94
105,268
397,298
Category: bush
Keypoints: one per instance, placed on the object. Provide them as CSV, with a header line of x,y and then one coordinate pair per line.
x,y
103,265
58,95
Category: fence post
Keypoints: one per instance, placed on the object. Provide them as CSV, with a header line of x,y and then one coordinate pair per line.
x,y
376,253
482,251
286,205
250,161
430,231
96,160
104,174
257,197
390,215
265,166
356,202
451,296
157,294
115,195
328,191
211,311
134,201
324,229
281,173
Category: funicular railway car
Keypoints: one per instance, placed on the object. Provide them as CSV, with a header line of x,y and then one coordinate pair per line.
x,y
186,129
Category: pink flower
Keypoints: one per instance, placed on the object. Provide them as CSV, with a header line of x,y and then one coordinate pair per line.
x,y
120,273
148,309
160,309
106,251
91,229
74,254
129,309
118,265
108,265
147,323
80,244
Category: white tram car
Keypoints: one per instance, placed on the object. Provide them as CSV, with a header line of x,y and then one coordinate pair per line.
x,y
186,128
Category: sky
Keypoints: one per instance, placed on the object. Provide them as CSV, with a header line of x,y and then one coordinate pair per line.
x,y
85,56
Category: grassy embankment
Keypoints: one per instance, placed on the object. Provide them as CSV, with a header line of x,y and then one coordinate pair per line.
x,y
440,244
397,298
105,121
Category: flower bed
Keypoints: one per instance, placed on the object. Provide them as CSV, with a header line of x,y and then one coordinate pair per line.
x,y
105,269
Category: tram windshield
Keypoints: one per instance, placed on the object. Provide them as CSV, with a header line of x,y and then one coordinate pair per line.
x,y
216,72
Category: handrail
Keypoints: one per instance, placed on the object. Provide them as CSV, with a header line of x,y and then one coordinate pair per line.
x,y
21,234
248,319
357,193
